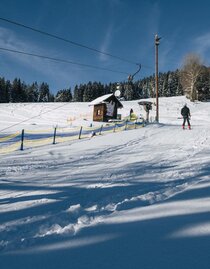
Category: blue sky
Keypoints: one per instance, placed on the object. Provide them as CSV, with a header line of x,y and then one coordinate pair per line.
x,y
124,28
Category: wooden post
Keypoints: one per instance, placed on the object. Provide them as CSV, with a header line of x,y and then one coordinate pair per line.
x,y
54,135
114,128
80,132
22,140
126,124
157,42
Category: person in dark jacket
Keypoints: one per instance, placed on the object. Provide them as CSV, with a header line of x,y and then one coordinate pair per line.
x,y
185,112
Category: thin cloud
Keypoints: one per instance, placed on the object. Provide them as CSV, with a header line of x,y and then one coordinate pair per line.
x,y
202,44
106,42
153,19
9,40
47,68
114,5
167,54
150,24
44,69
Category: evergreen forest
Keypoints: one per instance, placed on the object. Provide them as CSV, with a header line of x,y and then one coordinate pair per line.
x,y
19,91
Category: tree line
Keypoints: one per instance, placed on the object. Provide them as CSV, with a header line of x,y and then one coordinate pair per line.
x,y
193,80
19,91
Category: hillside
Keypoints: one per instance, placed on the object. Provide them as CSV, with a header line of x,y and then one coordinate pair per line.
x,y
131,199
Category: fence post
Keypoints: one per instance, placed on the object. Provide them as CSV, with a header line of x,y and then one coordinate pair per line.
x,y
114,128
22,139
80,132
54,135
126,124
101,130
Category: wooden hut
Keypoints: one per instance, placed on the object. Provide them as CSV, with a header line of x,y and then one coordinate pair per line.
x,y
105,107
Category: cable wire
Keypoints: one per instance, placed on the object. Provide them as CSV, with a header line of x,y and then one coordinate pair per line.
x,y
66,40
34,117
62,60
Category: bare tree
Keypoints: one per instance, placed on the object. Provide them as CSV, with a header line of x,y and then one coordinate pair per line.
x,y
189,74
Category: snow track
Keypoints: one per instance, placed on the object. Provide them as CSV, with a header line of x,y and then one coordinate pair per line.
x,y
58,193
74,191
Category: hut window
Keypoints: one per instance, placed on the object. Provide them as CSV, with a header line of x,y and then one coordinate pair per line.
x,y
98,113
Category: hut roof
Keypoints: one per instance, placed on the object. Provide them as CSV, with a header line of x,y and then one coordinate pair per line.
x,y
106,98
145,102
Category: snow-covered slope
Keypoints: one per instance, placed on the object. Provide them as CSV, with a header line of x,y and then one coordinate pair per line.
x,y
131,199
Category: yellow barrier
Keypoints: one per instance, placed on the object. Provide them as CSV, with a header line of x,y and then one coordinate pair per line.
x,y
59,138
66,130
66,139
8,137
10,148
119,129
90,128
39,131
37,142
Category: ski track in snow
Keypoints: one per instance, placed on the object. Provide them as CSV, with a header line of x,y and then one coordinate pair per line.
x,y
59,196
72,220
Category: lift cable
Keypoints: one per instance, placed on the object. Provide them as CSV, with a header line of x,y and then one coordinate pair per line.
x,y
62,60
66,40
34,117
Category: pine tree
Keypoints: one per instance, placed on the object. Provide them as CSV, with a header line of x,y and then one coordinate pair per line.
x,y
18,91
3,91
32,92
63,96
129,91
44,92
88,93
78,93
8,90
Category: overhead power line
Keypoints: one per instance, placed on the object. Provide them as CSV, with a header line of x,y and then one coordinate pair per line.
x,y
62,60
33,117
66,40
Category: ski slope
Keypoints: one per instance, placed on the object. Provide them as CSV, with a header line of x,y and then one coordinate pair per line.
x,y
132,199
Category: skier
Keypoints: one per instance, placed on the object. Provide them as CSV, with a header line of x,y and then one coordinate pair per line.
x,y
185,112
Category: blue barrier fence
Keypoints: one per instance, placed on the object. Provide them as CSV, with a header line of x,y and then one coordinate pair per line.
x,y
27,139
